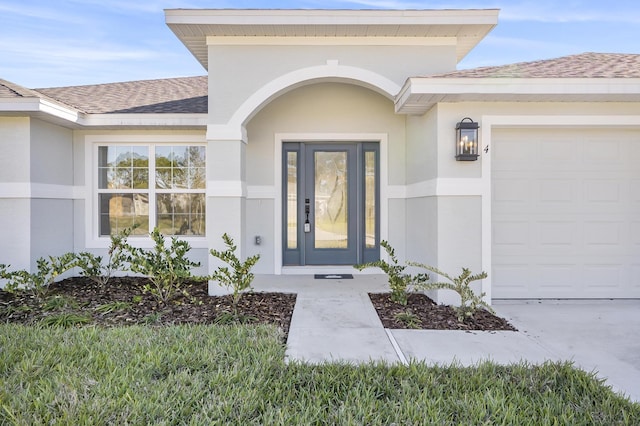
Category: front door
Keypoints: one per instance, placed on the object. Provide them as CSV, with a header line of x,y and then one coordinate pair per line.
x,y
332,203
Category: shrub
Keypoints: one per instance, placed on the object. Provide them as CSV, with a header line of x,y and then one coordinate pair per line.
x,y
38,283
167,268
91,265
66,320
470,302
237,276
399,281
409,319
116,306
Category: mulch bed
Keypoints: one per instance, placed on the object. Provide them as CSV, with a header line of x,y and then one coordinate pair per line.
x,y
200,308
429,315
197,308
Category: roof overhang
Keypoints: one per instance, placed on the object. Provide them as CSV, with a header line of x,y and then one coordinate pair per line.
x,y
43,109
420,94
194,26
55,113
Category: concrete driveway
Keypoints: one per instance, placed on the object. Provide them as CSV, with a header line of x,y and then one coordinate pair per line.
x,y
598,335
334,320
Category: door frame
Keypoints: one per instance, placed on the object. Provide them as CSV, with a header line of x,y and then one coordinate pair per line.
x,y
326,138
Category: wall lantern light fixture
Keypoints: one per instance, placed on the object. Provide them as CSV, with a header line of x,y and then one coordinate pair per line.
x,y
467,140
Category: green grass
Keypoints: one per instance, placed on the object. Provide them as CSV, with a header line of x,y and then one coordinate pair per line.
x,y
236,375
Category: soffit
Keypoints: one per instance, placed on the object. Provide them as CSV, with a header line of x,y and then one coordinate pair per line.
x,y
193,26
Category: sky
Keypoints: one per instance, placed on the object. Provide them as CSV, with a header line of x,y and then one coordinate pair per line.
x,y
52,43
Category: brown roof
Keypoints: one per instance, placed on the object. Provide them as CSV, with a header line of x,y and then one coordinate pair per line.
x,y
12,90
186,95
585,65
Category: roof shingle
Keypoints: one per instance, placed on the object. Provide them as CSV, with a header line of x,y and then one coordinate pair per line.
x,y
186,95
585,65
12,90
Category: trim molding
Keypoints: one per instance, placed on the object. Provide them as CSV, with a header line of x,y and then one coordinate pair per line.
x,y
27,190
439,187
226,188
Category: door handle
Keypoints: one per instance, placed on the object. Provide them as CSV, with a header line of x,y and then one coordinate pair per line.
x,y
307,210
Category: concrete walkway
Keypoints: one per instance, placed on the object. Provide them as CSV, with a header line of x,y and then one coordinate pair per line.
x,y
334,320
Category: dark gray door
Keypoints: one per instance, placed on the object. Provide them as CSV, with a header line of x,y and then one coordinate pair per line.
x,y
331,207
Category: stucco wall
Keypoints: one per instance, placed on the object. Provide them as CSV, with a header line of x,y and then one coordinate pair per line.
x,y
14,146
14,206
51,154
51,159
236,72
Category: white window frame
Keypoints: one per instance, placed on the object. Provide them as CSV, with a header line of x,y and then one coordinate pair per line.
x,y
92,210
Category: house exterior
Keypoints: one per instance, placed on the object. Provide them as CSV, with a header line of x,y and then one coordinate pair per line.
x,y
318,133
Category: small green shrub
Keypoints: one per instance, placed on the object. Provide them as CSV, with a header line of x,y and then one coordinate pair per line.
x,y
409,319
167,267
237,276
153,318
59,302
470,302
4,273
65,320
91,266
399,281
117,306
38,283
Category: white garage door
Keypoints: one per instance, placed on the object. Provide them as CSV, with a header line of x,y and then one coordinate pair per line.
x,y
566,213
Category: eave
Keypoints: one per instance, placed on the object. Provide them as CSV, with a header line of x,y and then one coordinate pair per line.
x,y
420,94
194,26
71,118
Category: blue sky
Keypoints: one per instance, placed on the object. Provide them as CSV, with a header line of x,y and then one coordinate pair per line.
x,y
45,43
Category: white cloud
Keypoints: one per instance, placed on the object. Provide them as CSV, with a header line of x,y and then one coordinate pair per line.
x,y
32,12
52,51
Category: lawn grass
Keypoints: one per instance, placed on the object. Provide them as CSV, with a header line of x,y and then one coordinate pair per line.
x,y
236,375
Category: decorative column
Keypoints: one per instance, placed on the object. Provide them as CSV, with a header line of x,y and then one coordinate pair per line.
x,y
226,194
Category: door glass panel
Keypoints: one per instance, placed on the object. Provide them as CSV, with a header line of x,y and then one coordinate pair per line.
x,y
292,200
330,204
370,199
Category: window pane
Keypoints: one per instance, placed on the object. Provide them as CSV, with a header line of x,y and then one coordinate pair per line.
x,y
181,214
331,215
120,211
370,199
180,167
123,167
292,200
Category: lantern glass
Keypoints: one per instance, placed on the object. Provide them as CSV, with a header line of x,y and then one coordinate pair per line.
x,y
467,140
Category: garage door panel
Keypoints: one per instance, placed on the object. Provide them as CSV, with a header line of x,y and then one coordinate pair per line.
x,y
604,191
515,278
560,151
514,153
557,191
512,235
513,191
601,152
599,235
600,276
566,214
557,234
556,278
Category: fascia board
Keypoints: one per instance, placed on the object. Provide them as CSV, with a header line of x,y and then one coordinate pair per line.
x,y
524,86
20,105
37,105
330,17
153,120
